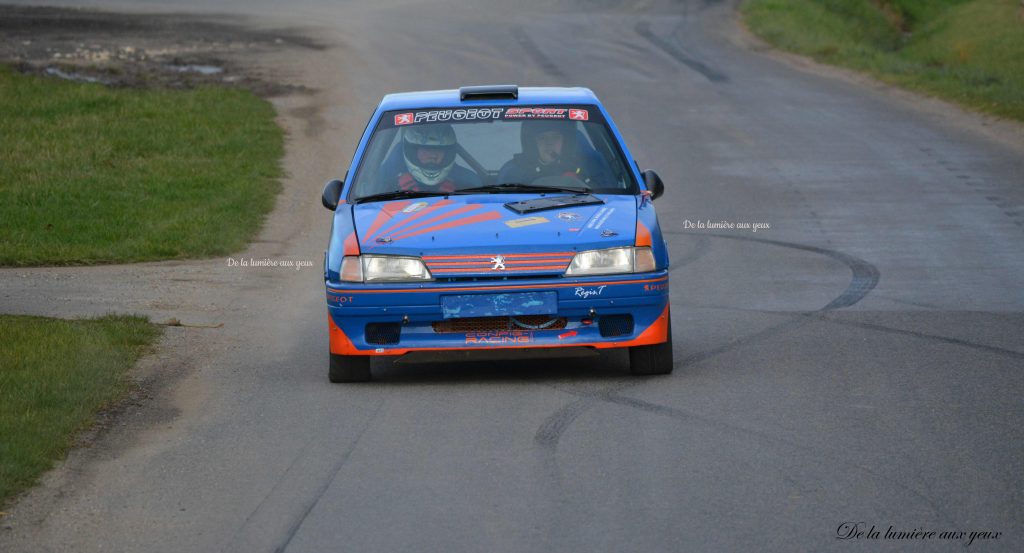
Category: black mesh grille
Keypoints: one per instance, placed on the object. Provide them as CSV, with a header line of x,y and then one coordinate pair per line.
x,y
615,325
383,333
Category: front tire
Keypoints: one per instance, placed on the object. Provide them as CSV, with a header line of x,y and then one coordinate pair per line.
x,y
652,359
349,368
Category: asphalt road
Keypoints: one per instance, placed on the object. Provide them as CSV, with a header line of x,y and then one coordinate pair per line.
x,y
860,361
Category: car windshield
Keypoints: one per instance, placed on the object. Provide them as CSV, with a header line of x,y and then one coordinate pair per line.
x,y
506,149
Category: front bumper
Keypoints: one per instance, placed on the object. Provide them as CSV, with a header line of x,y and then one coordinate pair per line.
x,y
418,312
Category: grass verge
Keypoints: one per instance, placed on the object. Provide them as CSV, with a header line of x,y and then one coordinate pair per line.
x,y
54,376
967,51
91,174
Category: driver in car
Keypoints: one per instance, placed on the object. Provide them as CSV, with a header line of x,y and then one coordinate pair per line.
x,y
553,148
425,161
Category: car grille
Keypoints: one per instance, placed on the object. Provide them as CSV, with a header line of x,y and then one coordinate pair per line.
x,y
497,264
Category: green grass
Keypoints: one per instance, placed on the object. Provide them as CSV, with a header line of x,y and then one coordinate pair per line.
x,y
54,376
90,174
967,51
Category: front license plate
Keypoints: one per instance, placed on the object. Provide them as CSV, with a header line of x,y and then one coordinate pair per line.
x,y
499,305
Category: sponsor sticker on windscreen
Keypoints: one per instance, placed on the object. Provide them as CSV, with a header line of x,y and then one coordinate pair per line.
x,y
483,114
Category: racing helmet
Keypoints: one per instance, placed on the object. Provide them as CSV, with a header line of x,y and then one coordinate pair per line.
x,y
437,136
531,129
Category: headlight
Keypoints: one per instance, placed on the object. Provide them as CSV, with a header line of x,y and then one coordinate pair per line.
x,y
383,268
611,261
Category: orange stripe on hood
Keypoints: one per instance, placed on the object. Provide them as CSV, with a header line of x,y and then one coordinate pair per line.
x,y
489,216
350,246
459,211
384,215
399,224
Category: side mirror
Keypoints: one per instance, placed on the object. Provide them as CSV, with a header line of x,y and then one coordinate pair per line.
x,y
332,193
654,184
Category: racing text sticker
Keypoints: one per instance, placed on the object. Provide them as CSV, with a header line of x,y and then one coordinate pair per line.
x,y
499,337
435,115
483,113
536,113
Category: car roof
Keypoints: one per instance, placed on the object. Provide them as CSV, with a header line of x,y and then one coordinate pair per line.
x,y
451,98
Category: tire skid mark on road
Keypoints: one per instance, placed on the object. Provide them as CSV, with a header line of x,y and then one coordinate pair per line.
x,y
643,28
536,53
547,437
550,432
701,248
612,396
798,320
865,275
717,307
943,339
232,541
296,525
864,278
908,302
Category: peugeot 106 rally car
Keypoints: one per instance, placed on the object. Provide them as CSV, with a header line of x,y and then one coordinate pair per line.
x,y
494,221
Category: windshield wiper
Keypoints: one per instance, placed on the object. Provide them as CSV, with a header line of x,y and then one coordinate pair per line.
x,y
397,194
511,187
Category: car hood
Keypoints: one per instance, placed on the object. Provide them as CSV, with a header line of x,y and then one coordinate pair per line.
x,y
465,235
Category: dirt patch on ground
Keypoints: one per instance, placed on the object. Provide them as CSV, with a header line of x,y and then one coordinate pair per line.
x,y
144,51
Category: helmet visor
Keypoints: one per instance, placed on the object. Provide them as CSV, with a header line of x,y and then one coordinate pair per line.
x,y
430,157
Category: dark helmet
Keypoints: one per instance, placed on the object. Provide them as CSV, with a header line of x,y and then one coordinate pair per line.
x,y
440,136
532,129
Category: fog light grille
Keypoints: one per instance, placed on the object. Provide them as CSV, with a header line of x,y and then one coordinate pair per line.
x,y
615,325
383,333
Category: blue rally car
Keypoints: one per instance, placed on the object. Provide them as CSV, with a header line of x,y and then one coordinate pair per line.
x,y
494,222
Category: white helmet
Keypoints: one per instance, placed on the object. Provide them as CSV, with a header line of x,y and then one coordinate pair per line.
x,y
437,136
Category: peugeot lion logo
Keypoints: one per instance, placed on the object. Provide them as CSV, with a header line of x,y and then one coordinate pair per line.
x,y
499,263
